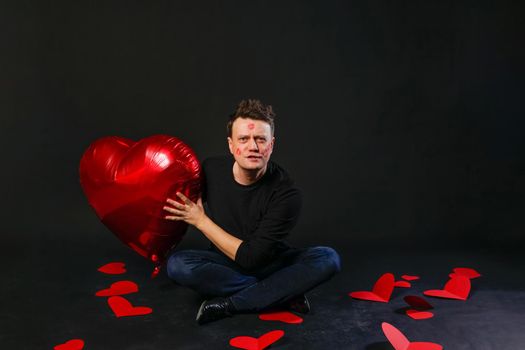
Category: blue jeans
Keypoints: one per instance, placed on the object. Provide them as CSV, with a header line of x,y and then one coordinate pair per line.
x,y
295,272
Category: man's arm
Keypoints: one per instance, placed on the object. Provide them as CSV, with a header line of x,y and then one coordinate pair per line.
x,y
193,214
274,227
259,249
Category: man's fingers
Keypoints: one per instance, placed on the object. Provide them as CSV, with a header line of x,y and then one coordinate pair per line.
x,y
184,198
174,211
173,218
175,203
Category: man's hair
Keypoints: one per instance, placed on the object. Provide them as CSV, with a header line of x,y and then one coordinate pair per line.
x,y
253,109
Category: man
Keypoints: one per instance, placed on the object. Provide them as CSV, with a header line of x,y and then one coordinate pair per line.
x,y
252,205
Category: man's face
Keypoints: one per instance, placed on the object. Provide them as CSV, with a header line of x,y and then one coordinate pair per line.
x,y
251,143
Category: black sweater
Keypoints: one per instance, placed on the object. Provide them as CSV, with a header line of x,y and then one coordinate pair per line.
x,y
261,214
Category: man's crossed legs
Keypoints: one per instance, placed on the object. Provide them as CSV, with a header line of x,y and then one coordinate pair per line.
x,y
283,280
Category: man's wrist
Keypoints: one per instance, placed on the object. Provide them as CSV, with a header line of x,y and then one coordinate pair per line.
x,y
202,222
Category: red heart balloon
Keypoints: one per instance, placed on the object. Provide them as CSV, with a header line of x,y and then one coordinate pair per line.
x,y
127,183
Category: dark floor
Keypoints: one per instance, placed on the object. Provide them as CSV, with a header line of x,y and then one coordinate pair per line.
x,y
48,298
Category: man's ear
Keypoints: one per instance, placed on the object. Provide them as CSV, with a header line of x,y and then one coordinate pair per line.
x,y
230,144
269,149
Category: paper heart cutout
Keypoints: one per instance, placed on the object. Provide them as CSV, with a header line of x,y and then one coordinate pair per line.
x,y
400,342
419,307
250,343
419,315
283,316
127,184
410,278
465,271
113,268
119,288
73,344
381,291
458,287
122,307
402,284
417,303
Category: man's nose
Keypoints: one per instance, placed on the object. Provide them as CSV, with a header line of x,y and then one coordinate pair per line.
x,y
253,145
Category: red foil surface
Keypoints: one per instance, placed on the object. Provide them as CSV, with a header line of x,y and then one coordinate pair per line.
x,y
127,183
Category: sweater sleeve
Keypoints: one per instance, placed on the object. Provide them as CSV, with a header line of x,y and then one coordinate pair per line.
x,y
275,225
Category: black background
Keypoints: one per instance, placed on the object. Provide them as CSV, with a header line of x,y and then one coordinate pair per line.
x,y
402,121
399,120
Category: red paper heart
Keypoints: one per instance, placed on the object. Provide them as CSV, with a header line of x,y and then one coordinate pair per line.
x,y
402,284
127,184
400,342
283,316
465,271
73,344
381,292
409,277
419,315
114,268
417,302
121,307
119,288
419,307
458,287
250,343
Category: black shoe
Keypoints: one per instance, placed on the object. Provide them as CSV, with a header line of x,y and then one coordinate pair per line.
x,y
299,304
214,309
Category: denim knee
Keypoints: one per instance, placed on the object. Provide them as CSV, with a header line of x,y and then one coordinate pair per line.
x,y
178,269
327,260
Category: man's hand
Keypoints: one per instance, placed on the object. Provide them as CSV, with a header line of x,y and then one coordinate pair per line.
x,y
192,213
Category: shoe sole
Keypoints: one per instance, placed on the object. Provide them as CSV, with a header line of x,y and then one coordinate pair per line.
x,y
199,313
307,303
307,307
